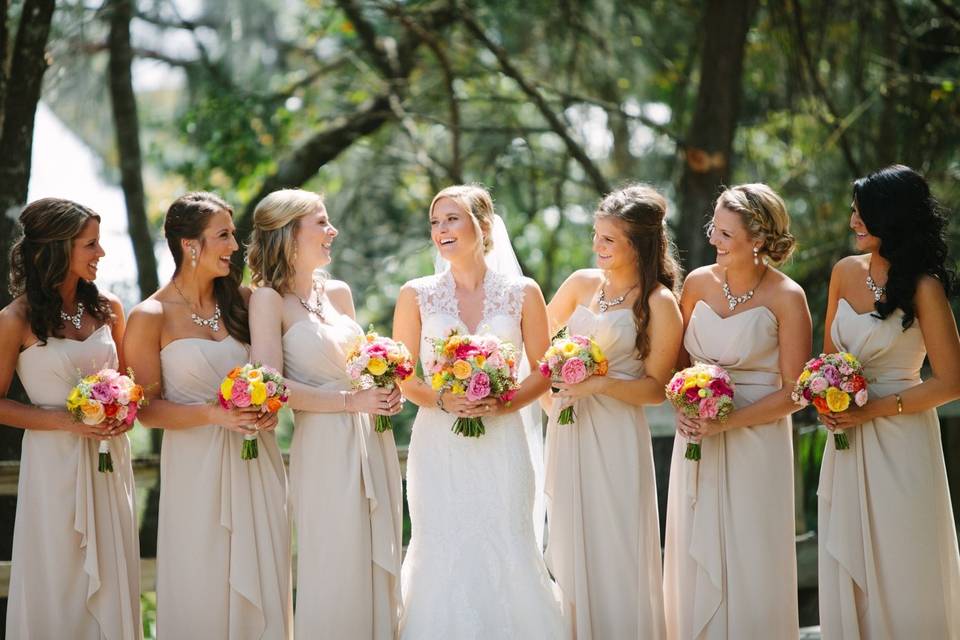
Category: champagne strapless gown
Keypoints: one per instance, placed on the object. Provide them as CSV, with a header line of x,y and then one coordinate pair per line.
x,y
76,551
223,537
730,568
347,499
889,566
604,543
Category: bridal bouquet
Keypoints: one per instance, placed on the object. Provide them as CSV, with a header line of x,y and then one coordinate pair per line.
x,y
253,385
701,391
104,395
479,366
375,361
571,360
830,382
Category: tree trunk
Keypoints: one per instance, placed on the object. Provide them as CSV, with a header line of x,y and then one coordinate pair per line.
x,y
709,142
127,128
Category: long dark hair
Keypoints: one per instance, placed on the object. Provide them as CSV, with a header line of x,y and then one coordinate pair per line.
x,y
186,219
40,261
896,206
642,210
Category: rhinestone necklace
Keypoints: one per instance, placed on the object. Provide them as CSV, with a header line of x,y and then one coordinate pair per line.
x,y
76,319
732,300
213,322
604,304
877,290
315,309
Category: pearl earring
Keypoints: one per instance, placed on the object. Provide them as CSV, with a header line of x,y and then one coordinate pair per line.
x,y
756,257
193,257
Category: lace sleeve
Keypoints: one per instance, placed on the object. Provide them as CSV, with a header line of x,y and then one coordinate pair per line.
x,y
433,296
505,295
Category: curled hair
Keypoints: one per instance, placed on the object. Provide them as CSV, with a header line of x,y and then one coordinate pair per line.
x,y
896,206
642,210
186,219
764,214
271,250
476,201
40,262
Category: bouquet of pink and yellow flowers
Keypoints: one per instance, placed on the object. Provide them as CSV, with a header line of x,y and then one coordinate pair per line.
x,y
477,366
701,391
830,382
571,360
104,395
253,385
376,361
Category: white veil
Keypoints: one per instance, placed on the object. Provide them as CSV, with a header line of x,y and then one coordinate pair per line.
x,y
503,260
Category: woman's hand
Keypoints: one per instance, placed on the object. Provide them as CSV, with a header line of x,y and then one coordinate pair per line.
x,y
267,421
852,417
698,428
460,406
376,400
115,427
570,393
100,431
240,420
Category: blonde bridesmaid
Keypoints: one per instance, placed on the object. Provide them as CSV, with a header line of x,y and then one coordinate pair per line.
x,y
223,538
604,543
345,477
889,566
76,554
730,566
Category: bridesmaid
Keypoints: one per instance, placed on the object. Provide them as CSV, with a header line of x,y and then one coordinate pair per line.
x,y
889,566
604,544
76,555
730,566
345,478
223,537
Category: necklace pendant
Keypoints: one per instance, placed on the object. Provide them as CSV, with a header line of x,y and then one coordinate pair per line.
x,y
731,304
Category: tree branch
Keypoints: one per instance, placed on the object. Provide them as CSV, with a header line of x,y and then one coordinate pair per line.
x,y
596,178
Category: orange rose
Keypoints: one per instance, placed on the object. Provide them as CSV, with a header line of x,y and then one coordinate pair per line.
x,y
136,393
602,368
274,404
234,373
821,405
111,409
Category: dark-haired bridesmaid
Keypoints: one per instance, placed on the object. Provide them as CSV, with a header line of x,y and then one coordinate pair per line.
x,y
76,555
223,537
604,544
889,566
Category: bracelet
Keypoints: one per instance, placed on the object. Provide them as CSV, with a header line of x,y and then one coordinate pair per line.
x,y
440,402
899,403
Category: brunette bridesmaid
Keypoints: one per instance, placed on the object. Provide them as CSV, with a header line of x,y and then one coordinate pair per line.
x,y
889,566
730,566
76,554
604,543
223,538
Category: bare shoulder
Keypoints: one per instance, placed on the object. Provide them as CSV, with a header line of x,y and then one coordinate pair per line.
x,y
929,290
661,299
115,305
13,317
245,293
146,315
699,278
788,296
850,265
262,296
338,290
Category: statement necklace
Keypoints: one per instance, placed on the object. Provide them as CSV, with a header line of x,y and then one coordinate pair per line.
x,y
76,319
877,290
315,309
604,304
732,300
213,321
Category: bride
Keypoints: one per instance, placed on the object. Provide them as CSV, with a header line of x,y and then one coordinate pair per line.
x,y
474,567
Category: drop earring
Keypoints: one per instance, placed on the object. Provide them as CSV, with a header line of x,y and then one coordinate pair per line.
x,y
756,256
193,257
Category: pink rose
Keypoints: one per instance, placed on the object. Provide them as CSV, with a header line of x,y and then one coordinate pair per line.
x,y
819,384
709,407
720,388
271,387
693,394
508,396
103,392
582,341
240,396
132,409
847,386
466,350
479,387
544,370
676,384
573,371
808,395
832,375
860,398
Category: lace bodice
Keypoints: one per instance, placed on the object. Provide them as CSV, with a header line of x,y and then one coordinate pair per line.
x,y
440,313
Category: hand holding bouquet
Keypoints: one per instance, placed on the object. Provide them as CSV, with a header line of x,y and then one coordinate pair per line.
x,y
830,382
106,395
253,386
571,360
478,367
376,361
701,391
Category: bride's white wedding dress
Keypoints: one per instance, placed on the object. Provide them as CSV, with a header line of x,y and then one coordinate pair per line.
x,y
473,568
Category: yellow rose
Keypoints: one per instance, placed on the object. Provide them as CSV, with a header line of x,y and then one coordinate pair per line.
x,y
462,369
254,375
74,399
377,366
258,393
805,375
703,379
436,382
569,348
689,382
458,388
596,353
480,360
93,412
91,379
226,388
849,358
837,400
